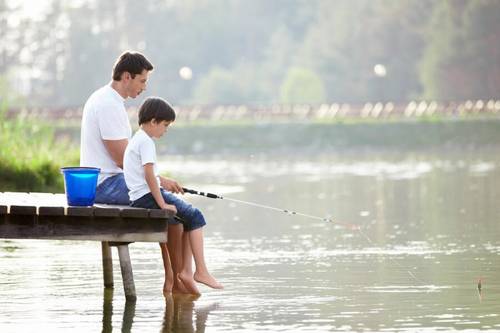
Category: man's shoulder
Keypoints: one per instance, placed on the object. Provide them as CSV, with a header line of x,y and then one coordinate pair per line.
x,y
103,97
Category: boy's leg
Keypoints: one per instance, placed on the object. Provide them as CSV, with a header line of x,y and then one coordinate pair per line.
x,y
201,274
193,223
169,275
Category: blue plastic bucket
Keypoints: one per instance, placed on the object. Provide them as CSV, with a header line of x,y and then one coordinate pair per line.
x,y
80,184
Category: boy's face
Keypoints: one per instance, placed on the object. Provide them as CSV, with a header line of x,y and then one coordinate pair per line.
x,y
159,127
135,86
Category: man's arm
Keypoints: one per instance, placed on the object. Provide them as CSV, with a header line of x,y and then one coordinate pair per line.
x,y
116,148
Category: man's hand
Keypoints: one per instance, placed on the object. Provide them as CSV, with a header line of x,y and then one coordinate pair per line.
x,y
171,185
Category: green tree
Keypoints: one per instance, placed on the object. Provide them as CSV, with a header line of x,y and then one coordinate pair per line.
x,y
302,85
12,35
235,86
461,58
92,45
347,39
216,87
8,96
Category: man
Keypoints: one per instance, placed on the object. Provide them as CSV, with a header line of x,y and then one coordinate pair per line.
x,y
104,136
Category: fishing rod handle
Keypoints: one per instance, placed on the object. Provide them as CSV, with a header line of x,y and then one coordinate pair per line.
x,y
208,195
187,190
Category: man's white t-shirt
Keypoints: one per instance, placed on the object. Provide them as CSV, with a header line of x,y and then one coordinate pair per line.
x,y
104,118
140,151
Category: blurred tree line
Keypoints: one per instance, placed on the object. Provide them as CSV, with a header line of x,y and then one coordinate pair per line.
x,y
256,52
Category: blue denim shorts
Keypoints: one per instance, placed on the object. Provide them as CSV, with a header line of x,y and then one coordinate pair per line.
x,y
190,217
113,191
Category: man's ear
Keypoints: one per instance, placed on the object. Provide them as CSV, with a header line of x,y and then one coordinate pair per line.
x,y
126,76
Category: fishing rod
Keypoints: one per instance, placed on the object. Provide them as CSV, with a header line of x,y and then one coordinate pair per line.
x,y
286,211
290,212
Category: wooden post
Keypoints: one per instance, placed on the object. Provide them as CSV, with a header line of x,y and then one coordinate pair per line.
x,y
107,265
127,275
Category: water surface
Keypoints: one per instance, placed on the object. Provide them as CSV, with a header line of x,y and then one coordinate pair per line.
x,y
429,230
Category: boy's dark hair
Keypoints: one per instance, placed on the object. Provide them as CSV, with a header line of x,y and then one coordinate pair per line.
x,y
132,62
155,108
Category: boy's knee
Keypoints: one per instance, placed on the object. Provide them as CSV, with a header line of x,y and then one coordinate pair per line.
x,y
196,220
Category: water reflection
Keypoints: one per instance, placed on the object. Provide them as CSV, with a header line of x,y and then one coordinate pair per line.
x,y
107,313
179,311
180,314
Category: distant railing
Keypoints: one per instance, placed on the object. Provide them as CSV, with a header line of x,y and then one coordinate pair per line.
x,y
413,109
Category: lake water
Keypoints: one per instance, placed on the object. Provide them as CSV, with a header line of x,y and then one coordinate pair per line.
x,y
429,229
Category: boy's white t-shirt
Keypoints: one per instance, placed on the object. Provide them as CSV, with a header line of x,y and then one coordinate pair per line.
x,y
140,151
104,118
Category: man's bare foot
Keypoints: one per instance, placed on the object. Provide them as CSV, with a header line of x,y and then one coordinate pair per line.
x,y
179,287
189,284
207,280
185,297
167,289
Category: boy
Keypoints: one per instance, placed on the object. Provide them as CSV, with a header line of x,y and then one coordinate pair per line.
x,y
141,176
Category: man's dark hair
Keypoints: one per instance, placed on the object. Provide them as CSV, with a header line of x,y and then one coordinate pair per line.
x,y
132,62
155,108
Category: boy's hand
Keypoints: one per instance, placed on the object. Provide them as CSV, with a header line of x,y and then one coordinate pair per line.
x,y
171,185
170,208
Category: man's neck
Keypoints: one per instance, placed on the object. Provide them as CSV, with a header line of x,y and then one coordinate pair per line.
x,y
120,89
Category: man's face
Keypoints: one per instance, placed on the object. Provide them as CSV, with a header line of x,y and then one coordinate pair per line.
x,y
136,85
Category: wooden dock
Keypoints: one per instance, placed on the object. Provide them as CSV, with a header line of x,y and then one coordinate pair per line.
x,y
47,216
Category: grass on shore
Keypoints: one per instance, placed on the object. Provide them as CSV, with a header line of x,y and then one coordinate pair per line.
x,y
31,155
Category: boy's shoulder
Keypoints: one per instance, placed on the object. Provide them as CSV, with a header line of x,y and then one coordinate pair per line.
x,y
140,138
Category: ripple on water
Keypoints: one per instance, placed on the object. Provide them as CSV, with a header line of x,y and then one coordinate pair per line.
x,y
407,289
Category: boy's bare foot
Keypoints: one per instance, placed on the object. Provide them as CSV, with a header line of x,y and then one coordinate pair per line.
x,y
189,284
207,280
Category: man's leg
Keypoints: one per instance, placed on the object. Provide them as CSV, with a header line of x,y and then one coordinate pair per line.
x,y
186,274
175,249
169,275
113,191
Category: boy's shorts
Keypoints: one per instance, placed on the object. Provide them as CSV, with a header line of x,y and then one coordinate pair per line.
x,y
190,217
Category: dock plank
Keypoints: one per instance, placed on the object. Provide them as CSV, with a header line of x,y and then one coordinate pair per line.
x,y
80,211
51,211
23,210
106,212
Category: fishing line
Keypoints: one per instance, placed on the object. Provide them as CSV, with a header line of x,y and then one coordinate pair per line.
x,y
286,211
290,212
393,260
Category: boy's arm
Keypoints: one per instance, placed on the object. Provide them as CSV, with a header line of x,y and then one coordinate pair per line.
x,y
149,175
171,185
